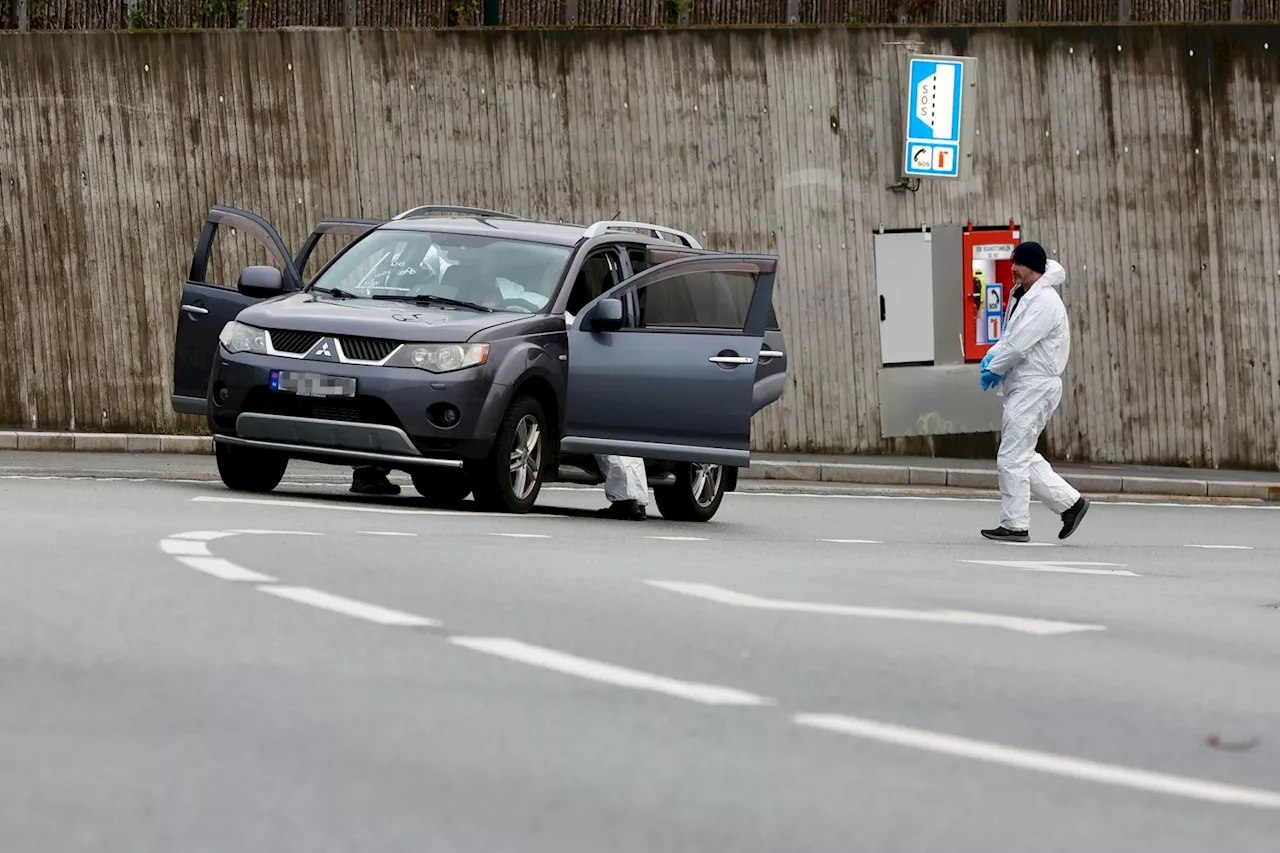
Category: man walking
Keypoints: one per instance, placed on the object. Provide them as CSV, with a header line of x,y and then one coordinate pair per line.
x,y
1029,361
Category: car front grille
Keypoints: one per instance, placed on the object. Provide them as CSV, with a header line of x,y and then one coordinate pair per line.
x,y
286,340
366,349
358,409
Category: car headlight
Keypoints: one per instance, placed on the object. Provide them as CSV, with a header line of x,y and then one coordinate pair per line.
x,y
237,337
443,358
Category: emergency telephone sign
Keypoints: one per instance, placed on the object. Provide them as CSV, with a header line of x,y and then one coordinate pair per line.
x,y
939,115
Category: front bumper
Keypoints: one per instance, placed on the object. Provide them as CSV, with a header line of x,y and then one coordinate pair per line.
x,y
387,420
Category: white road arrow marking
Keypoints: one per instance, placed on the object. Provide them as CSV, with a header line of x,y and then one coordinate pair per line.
x,y
1041,627
1073,567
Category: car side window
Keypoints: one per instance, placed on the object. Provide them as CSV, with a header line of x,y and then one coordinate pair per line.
x,y
639,259
716,301
230,252
599,273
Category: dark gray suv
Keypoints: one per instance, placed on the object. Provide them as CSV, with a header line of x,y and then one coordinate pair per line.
x,y
484,354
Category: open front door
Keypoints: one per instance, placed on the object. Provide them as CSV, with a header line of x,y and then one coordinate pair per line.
x,y
339,226
207,306
675,379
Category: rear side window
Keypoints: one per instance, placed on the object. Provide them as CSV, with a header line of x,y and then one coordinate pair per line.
x,y
697,300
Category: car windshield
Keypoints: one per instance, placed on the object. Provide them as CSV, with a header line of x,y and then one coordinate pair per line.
x,y
495,272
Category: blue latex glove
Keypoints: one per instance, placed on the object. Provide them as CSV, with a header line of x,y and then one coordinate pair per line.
x,y
986,359
990,380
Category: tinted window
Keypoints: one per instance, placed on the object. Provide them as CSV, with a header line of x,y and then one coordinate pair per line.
x,y
513,275
701,300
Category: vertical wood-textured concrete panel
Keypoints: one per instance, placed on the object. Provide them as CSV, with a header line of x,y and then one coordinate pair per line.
x,y
1143,158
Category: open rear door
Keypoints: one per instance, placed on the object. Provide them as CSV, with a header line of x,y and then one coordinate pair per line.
x,y
338,226
677,380
207,306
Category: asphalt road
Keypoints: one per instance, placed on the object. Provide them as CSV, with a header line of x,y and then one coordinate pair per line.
x,y
187,669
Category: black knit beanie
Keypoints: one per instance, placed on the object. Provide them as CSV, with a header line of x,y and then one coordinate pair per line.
x,y
1031,256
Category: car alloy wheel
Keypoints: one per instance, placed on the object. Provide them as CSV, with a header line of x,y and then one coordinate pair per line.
x,y
705,483
526,457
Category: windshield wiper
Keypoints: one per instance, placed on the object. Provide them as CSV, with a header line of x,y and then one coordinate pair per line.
x,y
427,298
335,292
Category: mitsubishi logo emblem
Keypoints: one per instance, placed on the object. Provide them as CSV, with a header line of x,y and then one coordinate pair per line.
x,y
324,350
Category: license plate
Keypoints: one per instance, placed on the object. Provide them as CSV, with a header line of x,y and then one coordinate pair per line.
x,y
312,384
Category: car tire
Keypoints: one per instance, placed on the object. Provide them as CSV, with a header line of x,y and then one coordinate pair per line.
x,y
246,469
442,486
496,481
696,494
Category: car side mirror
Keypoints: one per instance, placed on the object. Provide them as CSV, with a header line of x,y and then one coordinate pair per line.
x,y
260,282
605,317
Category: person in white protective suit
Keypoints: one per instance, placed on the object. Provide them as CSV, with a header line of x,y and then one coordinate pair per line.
x,y
1027,363
626,484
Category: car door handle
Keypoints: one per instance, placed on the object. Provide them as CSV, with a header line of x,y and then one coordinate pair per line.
x,y
195,309
731,359
772,353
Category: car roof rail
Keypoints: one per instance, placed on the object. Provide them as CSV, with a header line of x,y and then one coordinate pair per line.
x,y
436,209
614,224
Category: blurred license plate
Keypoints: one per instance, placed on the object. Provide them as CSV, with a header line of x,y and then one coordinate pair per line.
x,y
312,384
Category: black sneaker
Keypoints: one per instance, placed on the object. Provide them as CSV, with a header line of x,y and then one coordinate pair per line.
x,y
1071,518
1001,534
624,511
365,482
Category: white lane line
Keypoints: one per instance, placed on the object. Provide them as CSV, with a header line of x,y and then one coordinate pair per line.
x,y
1044,762
1068,567
253,532
707,694
680,538
384,510
224,569
349,606
188,547
522,535
853,541
1040,627
384,533
203,535
1222,547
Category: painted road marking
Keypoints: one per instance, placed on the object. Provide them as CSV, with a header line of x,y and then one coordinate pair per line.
x,y
1044,762
522,535
853,541
385,510
188,547
1041,627
349,606
679,538
384,533
1067,567
1222,547
225,570
203,535
606,673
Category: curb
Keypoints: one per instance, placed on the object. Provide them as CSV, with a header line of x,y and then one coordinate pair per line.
x,y
798,471
985,479
105,442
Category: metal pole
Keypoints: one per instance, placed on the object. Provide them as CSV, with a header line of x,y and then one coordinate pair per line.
x,y
793,11
349,13
571,12
492,13
1011,10
1124,10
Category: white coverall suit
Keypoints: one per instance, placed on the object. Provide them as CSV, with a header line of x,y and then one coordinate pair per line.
x,y
1031,356
624,476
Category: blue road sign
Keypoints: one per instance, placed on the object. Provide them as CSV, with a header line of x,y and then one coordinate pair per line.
x,y
934,112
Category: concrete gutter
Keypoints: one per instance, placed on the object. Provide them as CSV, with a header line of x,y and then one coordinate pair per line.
x,y
794,471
